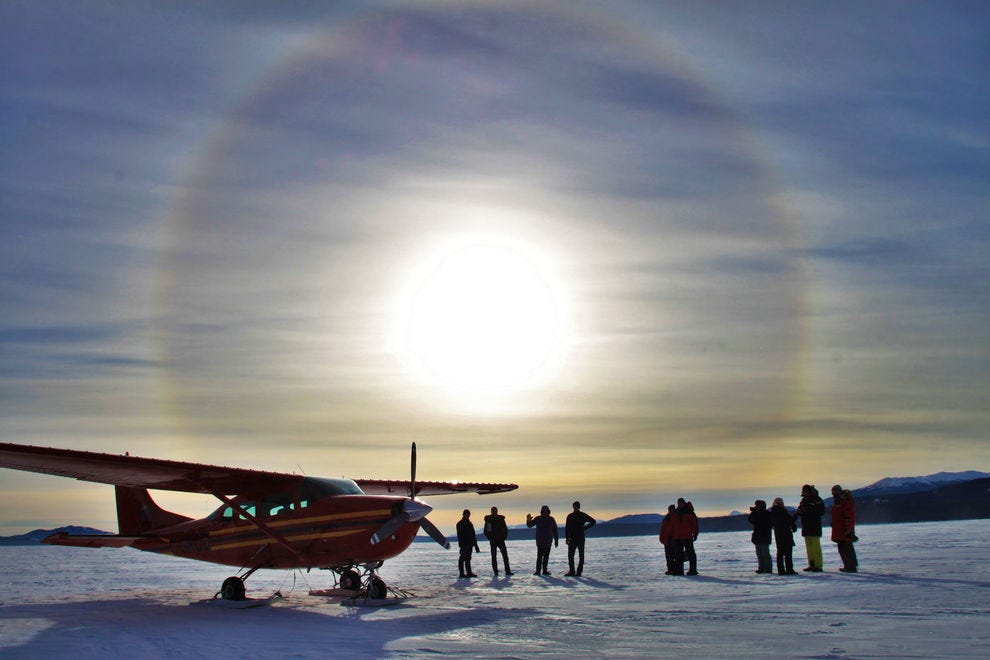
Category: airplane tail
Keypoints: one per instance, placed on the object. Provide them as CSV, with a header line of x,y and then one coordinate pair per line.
x,y
137,513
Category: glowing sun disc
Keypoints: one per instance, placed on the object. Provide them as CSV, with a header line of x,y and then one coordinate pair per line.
x,y
484,319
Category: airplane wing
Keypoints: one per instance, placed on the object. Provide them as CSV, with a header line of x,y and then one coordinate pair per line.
x,y
428,488
154,473
161,474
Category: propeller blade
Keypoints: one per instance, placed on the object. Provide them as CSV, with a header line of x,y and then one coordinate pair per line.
x,y
412,470
386,530
434,533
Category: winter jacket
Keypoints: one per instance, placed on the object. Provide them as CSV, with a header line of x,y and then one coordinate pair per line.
x,y
546,529
686,527
667,528
496,530
810,510
762,524
466,537
783,526
843,518
576,524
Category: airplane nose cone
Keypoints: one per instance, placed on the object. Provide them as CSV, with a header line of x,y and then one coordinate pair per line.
x,y
416,509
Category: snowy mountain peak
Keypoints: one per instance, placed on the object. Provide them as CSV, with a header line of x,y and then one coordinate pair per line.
x,y
923,482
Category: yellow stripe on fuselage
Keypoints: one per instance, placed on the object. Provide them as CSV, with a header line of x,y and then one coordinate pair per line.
x,y
239,529
264,540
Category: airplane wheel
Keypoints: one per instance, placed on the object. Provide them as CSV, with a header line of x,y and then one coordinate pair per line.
x,y
232,589
377,588
350,579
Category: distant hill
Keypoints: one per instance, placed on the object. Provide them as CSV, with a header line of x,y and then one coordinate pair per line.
x,y
35,537
959,500
636,519
637,524
895,485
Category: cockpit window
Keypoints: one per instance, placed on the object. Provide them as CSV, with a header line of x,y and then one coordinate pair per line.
x,y
273,505
310,490
228,512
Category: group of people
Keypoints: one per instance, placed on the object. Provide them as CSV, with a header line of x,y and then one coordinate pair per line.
x,y
780,524
678,532
547,537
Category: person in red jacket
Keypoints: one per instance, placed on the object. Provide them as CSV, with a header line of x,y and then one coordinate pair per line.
x,y
667,538
844,527
685,534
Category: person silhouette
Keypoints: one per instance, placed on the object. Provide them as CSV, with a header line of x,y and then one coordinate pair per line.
x,y
546,536
844,528
467,541
667,538
810,510
685,534
762,524
577,523
496,531
783,536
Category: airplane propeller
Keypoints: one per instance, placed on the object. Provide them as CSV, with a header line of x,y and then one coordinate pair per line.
x,y
411,510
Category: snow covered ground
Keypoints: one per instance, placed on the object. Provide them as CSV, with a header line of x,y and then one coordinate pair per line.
x,y
924,591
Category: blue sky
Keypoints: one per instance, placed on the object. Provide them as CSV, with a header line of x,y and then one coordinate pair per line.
x,y
764,230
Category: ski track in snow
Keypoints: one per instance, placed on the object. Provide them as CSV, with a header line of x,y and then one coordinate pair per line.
x,y
922,592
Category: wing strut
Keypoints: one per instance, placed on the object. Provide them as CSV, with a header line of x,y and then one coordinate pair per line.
x,y
265,529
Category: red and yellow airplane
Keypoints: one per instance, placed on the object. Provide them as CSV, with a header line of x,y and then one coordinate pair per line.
x,y
265,520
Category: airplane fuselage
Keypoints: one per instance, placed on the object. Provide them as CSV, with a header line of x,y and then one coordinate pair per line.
x,y
330,533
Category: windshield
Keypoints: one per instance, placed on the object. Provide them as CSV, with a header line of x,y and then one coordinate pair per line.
x,y
318,487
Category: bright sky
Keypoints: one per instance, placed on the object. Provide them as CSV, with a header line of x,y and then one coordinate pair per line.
x,y
617,252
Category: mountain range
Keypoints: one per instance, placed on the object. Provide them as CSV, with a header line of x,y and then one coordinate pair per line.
x,y
896,485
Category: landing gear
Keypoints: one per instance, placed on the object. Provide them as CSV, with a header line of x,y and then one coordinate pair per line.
x,y
350,580
232,589
377,589
363,583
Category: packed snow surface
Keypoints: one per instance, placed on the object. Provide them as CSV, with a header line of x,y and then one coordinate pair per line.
x,y
923,591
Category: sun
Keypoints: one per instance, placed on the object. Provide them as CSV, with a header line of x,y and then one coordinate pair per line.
x,y
484,318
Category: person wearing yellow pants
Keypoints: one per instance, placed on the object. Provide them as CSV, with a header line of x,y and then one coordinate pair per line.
x,y
810,511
